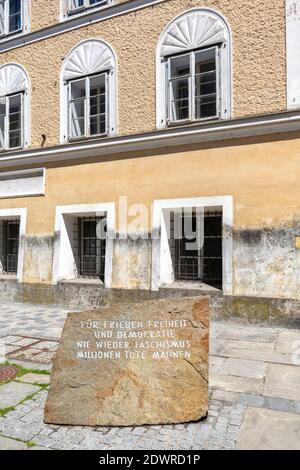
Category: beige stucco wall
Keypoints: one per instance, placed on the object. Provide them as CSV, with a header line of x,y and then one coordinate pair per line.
x,y
258,30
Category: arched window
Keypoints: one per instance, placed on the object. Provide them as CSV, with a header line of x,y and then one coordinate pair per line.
x,y
194,69
14,107
88,93
14,17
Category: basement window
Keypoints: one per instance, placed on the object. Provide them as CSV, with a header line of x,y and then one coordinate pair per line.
x,y
196,246
90,247
88,107
9,245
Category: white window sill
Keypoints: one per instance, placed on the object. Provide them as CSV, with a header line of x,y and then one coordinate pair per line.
x,y
83,280
190,286
8,277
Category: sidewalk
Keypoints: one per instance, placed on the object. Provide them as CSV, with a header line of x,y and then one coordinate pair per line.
x,y
254,391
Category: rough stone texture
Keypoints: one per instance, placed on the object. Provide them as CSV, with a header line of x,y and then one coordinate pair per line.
x,y
12,393
135,391
256,90
269,430
244,368
283,381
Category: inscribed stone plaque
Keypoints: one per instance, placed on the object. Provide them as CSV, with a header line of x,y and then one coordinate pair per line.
x,y
132,364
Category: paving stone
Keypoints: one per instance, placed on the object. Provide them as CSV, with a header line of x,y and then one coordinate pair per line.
x,y
279,404
11,444
224,395
12,393
244,368
237,384
37,448
251,400
269,430
283,382
288,342
35,378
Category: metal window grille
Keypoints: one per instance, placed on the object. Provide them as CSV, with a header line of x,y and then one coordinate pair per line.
x,y
204,264
10,230
193,86
90,247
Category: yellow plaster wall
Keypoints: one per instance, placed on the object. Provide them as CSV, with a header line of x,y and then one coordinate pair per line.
x,y
262,177
258,30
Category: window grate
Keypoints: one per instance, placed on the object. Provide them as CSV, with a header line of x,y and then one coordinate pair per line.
x,y
205,263
9,239
90,247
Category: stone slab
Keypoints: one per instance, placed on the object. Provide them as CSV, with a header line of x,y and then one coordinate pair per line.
x,y
237,384
157,375
269,430
11,444
244,368
35,378
288,342
283,382
13,392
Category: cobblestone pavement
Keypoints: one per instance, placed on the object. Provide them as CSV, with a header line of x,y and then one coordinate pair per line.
x,y
254,399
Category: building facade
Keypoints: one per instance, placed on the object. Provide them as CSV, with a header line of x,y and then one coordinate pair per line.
x,y
151,148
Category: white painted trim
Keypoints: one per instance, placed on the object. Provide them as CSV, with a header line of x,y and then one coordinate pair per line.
x,y
76,22
65,16
292,53
212,132
62,257
20,173
112,91
25,24
22,213
226,85
160,246
26,88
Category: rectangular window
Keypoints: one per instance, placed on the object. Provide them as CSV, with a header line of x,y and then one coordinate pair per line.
x,y
75,5
88,106
11,121
90,241
196,246
9,245
10,16
193,86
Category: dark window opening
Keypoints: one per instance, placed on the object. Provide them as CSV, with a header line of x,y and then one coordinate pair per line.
x,y
90,247
10,245
199,258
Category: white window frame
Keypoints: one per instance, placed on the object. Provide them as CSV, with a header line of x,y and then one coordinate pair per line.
x,y
63,257
22,215
67,12
174,42
161,256
25,23
87,115
191,79
86,5
6,122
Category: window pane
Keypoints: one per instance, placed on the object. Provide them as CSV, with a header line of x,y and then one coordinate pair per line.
x,y
94,2
77,104
205,84
2,121
97,105
74,4
179,96
2,16
15,15
15,121
180,66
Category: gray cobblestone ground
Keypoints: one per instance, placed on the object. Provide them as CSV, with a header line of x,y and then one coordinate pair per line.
x,y
254,371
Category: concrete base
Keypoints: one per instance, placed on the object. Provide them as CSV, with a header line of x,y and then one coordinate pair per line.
x,y
91,294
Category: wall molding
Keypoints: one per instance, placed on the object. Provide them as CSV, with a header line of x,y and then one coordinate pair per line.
x,y
187,135
75,22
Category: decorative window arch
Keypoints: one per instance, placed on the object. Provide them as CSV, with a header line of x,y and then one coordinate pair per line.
x,y
194,37
14,107
88,91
